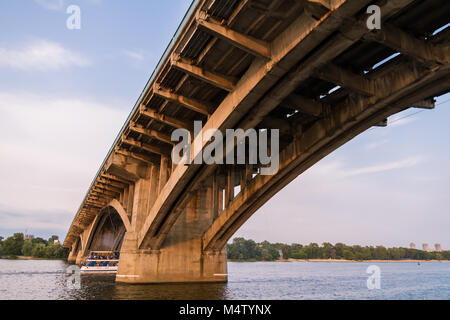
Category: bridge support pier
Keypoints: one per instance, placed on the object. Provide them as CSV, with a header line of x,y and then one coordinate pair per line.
x,y
180,258
178,263
72,258
80,258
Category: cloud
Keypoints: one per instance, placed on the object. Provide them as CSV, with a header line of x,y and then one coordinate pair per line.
x,y
405,163
41,55
135,55
59,5
376,144
51,4
51,149
325,204
34,221
397,122
336,168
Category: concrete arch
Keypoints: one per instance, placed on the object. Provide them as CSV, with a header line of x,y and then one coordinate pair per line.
x,y
90,234
296,158
122,213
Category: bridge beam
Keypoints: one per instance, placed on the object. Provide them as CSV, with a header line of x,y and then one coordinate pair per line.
x,y
304,105
147,147
151,133
249,44
104,191
136,156
407,44
111,182
126,168
117,179
428,104
108,187
188,103
173,122
219,81
347,79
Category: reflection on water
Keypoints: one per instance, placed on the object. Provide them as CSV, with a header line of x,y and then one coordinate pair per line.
x,y
104,287
266,280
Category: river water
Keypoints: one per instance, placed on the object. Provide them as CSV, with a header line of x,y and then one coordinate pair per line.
x,y
39,279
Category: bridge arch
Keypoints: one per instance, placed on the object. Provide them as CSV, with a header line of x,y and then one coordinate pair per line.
x,y
108,229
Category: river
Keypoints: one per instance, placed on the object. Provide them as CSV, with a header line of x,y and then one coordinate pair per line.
x,y
41,279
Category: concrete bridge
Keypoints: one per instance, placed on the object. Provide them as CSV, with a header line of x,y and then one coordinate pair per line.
x,y
310,68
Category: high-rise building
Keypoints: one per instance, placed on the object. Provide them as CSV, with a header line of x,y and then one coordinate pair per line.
x,y
426,247
437,247
412,245
28,237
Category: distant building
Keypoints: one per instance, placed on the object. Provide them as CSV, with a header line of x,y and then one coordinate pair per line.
x,y
412,245
281,254
28,237
56,241
426,247
437,247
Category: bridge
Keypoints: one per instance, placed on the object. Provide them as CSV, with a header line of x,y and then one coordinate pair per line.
x,y
311,68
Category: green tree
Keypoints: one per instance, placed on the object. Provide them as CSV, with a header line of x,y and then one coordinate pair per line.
x,y
13,245
54,251
326,250
27,248
241,249
348,254
285,251
299,254
38,241
381,253
39,250
52,239
269,251
339,247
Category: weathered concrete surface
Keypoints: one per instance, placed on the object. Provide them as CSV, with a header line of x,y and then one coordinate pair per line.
x,y
181,262
181,258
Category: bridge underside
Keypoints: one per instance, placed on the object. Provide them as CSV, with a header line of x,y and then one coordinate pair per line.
x,y
106,233
311,69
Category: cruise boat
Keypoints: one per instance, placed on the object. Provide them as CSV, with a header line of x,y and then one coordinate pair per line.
x,y
101,262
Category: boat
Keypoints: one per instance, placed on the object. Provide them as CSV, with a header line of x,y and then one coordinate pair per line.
x,y
101,262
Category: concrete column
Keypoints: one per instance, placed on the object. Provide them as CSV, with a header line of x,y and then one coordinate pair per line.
x,y
215,196
125,198
154,186
140,203
130,199
80,258
163,173
73,254
229,189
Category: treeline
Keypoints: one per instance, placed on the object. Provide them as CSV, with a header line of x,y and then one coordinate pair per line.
x,y
16,245
248,250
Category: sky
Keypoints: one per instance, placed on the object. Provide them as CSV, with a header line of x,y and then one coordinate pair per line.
x,y
65,94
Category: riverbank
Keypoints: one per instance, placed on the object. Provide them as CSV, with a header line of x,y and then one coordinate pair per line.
x,y
27,258
343,260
